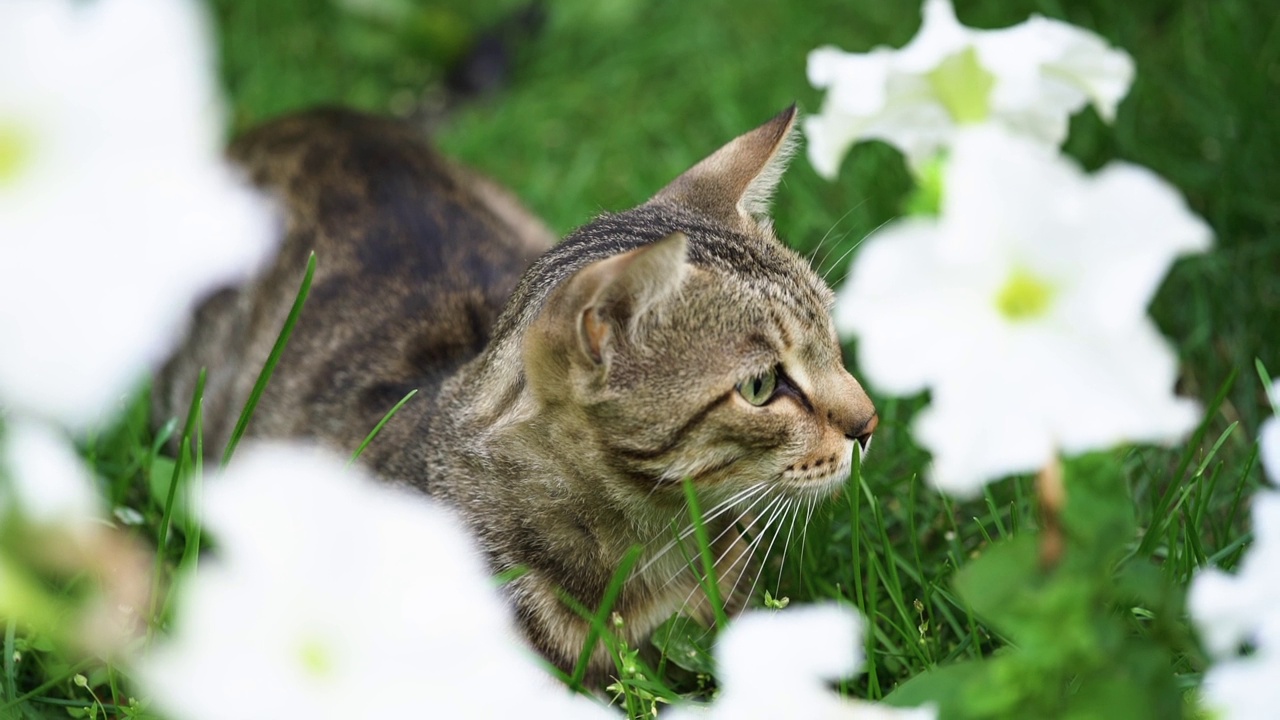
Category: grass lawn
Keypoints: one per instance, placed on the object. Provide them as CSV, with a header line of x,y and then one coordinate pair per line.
x,y
610,99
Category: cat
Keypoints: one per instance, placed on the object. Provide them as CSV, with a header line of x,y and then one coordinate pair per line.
x,y
565,391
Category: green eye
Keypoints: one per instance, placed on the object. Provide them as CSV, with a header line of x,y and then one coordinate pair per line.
x,y
759,389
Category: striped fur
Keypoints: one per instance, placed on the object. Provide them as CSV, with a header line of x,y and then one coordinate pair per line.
x,y
564,392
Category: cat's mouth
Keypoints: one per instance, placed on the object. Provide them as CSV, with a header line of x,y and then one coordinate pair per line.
x,y
817,480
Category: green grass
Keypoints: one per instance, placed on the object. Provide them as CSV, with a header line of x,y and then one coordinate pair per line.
x,y
614,98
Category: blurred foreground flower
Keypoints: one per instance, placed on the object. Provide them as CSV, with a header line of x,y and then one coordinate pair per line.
x,y
116,208
1028,78
1269,438
1232,610
52,535
1022,307
47,484
779,664
335,597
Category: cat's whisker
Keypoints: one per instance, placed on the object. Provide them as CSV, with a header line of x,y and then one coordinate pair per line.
x,y
750,551
723,555
804,537
763,512
841,259
786,546
656,487
751,533
764,558
730,526
817,267
718,510
779,503
714,512
847,253
549,473
826,236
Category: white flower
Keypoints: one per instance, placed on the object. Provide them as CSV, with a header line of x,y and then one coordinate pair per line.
x,y
335,597
778,664
1269,438
61,531
116,208
1244,608
1023,308
47,483
1028,78
1244,689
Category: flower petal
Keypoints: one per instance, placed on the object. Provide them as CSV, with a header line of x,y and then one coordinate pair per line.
x,y
941,35
397,620
976,437
898,301
1027,79
134,146
1245,689
808,645
48,482
827,138
1269,449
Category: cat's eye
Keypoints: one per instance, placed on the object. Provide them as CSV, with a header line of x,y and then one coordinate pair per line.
x,y
759,389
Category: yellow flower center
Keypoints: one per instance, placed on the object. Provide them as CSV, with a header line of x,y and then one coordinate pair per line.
x,y
926,199
963,87
1024,296
15,151
316,659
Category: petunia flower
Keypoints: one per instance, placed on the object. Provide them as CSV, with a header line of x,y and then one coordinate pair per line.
x,y
1022,308
117,210
1028,78
778,664
1232,610
43,479
333,596
51,525
1269,438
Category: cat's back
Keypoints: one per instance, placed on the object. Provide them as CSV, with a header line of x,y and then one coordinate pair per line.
x,y
415,257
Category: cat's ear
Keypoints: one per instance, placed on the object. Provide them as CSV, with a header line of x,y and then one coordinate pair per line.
x,y
736,182
617,292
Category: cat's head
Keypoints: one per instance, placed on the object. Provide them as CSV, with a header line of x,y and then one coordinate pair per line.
x,y
688,341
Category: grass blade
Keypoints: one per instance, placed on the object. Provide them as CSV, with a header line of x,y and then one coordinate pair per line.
x,y
601,614
1265,377
267,369
189,428
10,636
710,585
378,428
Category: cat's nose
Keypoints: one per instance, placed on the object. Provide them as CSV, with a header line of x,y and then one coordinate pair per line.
x,y
863,434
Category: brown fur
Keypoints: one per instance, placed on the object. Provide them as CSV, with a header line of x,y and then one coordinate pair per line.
x,y
561,405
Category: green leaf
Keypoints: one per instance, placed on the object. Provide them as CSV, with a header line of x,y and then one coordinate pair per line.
x,y
926,199
946,687
159,478
1099,516
999,585
1135,683
683,641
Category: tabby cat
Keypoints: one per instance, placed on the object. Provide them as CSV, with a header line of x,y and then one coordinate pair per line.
x,y
564,391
